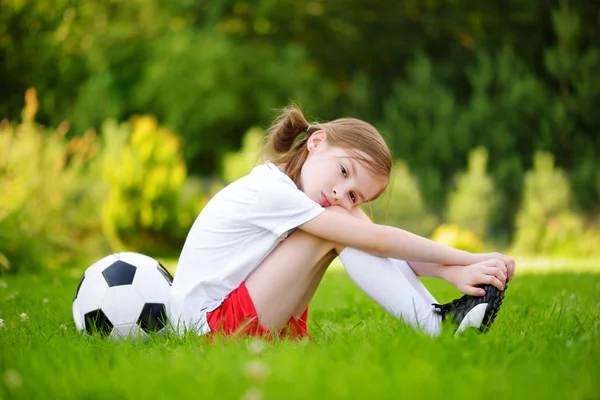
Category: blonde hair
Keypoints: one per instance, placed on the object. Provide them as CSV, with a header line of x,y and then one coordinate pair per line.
x,y
350,134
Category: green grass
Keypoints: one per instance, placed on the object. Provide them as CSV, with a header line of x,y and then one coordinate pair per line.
x,y
544,344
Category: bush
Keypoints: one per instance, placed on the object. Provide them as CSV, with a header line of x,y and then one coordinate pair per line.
x,y
546,222
402,204
73,200
49,187
425,126
470,205
240,163
149,207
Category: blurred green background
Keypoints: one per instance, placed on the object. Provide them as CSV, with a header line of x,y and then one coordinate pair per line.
x,y
121,119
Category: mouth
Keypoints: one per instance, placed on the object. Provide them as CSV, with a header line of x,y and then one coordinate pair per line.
x,y
324,200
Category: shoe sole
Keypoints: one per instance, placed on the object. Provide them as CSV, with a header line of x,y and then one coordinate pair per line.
x,y
492,309
482,316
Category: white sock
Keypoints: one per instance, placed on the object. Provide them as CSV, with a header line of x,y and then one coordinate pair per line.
x,y
414,280
394,286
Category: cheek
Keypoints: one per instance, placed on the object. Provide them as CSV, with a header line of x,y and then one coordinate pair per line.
x,y
308,184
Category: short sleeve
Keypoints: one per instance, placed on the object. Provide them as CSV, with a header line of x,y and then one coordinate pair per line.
x,y
280,207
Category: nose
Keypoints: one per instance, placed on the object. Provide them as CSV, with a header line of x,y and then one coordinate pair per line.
x,y
340,199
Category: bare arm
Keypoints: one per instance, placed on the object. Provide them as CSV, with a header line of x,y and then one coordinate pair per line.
x,y
420,268
491,268
433,270
382,240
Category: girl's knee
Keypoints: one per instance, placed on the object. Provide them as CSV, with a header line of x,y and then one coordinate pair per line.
x,y
299,234
302,238
338,209
356,212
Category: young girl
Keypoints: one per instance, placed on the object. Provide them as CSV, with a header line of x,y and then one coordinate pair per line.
x,y
257,252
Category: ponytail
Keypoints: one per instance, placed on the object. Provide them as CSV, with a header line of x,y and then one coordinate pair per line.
x,y
282,146
287,127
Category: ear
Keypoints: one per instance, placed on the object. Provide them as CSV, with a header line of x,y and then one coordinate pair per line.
x,y
316,140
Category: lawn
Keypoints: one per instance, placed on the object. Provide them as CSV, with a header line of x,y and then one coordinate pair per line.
x,y
544,344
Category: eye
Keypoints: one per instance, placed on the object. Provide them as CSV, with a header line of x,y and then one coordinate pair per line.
x,y
353,197
343,171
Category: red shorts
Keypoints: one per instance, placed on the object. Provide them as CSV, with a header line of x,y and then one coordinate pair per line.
x,y
237,316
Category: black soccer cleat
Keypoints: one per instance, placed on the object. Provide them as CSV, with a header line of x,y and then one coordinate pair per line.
x,y
473,311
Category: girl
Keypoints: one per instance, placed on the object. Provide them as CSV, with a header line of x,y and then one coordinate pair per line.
x,y
257,252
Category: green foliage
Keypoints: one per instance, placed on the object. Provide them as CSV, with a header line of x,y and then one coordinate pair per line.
x,y
470,205
74,200
511,111
228,85
436,132
47,183
507,96
513,83
402,204
573,123
421,120
240,163
145,174
546,223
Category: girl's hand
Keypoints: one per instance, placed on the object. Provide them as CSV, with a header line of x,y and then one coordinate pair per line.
x,y
509,262
467,278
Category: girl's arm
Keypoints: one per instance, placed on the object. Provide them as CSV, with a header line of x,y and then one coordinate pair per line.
x,y
431,270
419,267
384,241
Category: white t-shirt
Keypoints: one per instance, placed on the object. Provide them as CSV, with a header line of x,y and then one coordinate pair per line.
x,y
235,231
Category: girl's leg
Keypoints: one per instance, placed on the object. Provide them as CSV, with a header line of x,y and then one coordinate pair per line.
x,y
287,278
414,280
394,286
404,267
283,284
320,270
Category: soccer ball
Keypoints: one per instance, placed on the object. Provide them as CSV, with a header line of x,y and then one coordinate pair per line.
x,y
123,295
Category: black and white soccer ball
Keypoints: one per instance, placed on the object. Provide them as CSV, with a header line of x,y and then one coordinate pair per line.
x,y
123,295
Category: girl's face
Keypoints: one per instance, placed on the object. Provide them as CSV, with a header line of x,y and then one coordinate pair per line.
x,y
330,176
